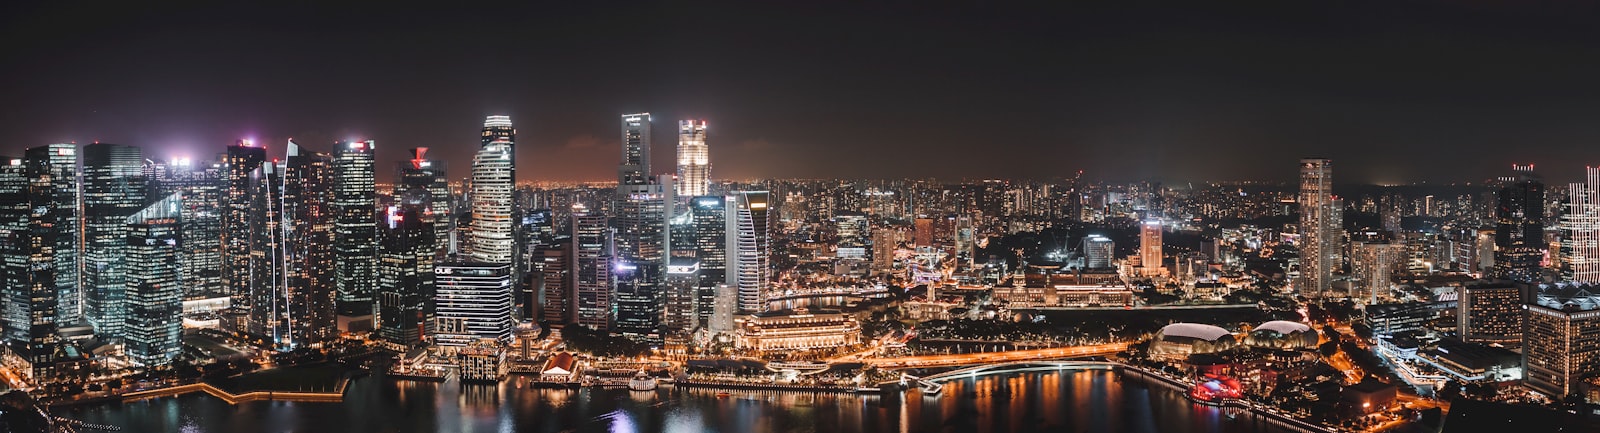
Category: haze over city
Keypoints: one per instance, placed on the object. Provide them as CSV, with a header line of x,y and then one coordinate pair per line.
x,y
1184,92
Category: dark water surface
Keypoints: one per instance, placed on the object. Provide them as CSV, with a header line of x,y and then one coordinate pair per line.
x,y
1068,401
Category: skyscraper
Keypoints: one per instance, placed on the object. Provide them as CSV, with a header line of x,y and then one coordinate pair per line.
x,y
355,233
694,159
554,264
1098,252
747,241
268,304
473,302
154,295
406,272
242,159
1519,236
60,161
1580,230
635,166
1316,226
591,256
308,220
113,190
28,232
709,219
493,179
639,255
203,188
1150,246
1561,341
422,174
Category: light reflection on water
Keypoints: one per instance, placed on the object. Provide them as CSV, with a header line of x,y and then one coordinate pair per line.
x,y
1076,401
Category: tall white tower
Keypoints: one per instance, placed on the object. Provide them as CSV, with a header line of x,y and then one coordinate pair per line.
x,y
493,179
694,159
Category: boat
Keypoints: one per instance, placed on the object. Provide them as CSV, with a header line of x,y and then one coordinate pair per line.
x,y
642,382
723,394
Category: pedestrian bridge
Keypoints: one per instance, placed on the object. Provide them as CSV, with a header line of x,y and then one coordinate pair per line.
x,y
1019,366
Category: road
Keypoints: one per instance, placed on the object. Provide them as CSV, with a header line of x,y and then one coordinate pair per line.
x,y
993,357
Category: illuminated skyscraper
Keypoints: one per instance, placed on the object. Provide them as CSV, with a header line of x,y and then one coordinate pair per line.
x,y
203,187
405,272
355,230
308,220
748,244
493,178
27,236
635,166
1150,246
1519,237
268,308
591,255
60,161
1317,231
1580,230
1098,252
155,297
473,302
639,257
694,159
113,190
554,265
422,174
242,159
1561,338
708,217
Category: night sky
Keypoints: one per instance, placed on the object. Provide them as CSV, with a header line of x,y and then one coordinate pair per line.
x,y
1393,91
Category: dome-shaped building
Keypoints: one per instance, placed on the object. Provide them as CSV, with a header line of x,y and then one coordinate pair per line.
x,y
1179,340
1282,335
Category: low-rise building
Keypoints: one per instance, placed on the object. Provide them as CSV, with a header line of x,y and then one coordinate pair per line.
x,y
799,329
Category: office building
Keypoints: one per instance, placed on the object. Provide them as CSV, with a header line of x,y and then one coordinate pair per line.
x,y
405,302
748,248
554,267
1561,339
422,174
591,276
1519,236
242,159
113,190
1150,247
154,295
28,226
1317,229
473,302
268,308
694,159
307,226
60,163
355,229
1580,230
1099,252
493,179
203,186
635,166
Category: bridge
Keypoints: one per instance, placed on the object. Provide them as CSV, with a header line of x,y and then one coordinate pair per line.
x,y
1019,366
964,359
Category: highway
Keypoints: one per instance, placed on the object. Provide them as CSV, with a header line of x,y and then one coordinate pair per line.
x,y
994,357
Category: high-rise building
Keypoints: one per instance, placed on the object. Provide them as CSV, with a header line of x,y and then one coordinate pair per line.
x,y
591,276
1098,252
473,302
493,179
203,187
637,300
422,174
268,308
1490,313
113,190
355,230
854,235
405,304
1317,229
1561,341
1580,231
241,160
682,295
1519,237
1373,265
60,162
708,219
154,295
640,247
748,244
310,313
694,159
1150,246
27,254
635,166
554,267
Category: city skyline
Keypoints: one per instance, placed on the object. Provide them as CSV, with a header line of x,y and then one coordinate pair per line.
x,y
1202,101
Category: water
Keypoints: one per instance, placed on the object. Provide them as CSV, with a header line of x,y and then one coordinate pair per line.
x,y
1068,401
